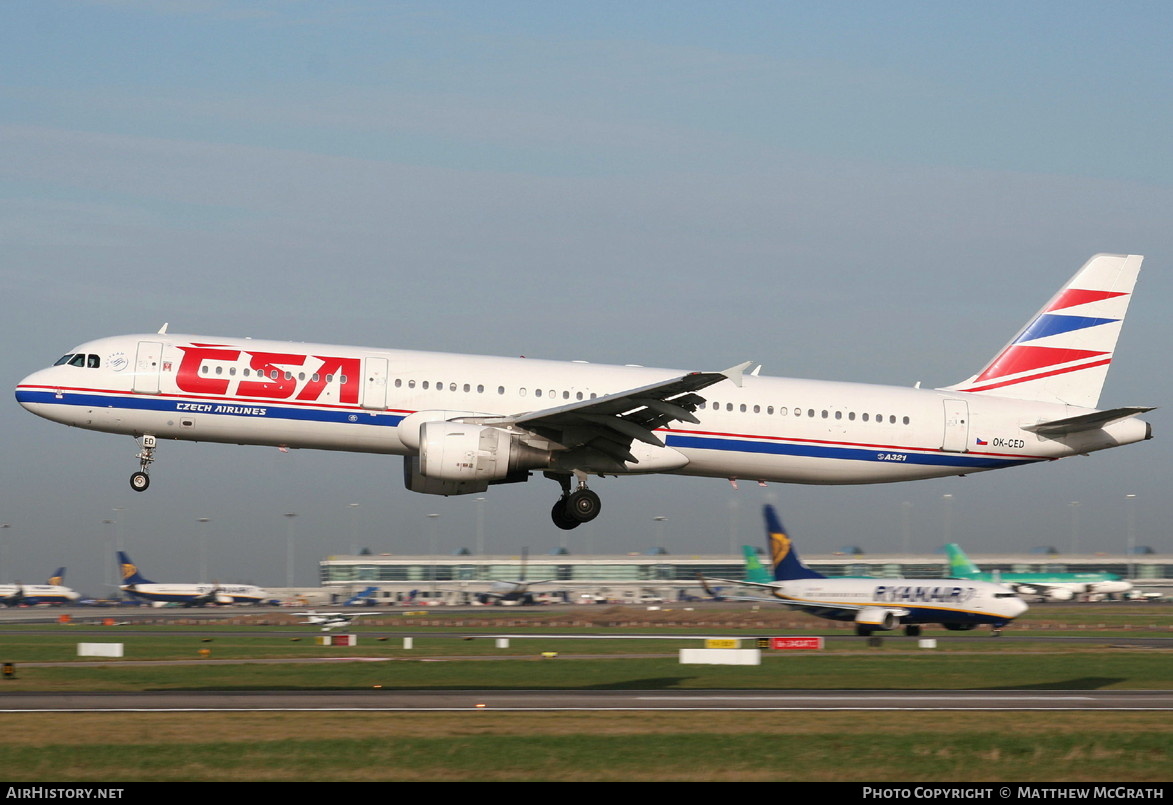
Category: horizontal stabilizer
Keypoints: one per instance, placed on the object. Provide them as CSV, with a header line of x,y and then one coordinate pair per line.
x,y
1093,421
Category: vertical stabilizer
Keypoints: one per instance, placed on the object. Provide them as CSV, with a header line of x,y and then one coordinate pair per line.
x,y
784,559
960,565
1063,353
130,574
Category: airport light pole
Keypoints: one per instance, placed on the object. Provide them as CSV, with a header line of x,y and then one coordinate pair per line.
x,y
289,516
1130,512
203,532
4,549
948,500
480,526
435,539
659,520
110,562
353,514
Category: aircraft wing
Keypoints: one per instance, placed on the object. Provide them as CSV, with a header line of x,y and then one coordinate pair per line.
x,y
610,424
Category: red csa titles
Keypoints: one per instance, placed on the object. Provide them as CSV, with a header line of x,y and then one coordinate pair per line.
x,y
277,379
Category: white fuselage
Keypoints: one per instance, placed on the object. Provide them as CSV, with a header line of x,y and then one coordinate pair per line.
x,y
184,593
330,397
910,601
39,593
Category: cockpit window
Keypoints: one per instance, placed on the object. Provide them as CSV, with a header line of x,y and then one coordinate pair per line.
x,y
78,360
93,361
64,359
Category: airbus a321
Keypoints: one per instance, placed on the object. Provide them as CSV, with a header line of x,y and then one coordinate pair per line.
x,y
465,422
874,604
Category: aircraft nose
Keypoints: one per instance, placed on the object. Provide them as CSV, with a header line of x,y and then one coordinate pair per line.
x,y
26,389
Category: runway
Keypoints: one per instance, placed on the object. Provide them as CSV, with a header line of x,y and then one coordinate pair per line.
x,y
609,700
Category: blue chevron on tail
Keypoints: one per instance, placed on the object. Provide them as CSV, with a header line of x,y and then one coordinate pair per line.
x,y
783,557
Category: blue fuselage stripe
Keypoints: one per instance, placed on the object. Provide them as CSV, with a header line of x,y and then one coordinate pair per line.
x,y
839,452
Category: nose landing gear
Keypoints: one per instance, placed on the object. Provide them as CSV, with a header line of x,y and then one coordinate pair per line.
x,y
140,480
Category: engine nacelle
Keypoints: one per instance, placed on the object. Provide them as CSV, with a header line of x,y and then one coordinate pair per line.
x,y
877,618
456,458
1059,594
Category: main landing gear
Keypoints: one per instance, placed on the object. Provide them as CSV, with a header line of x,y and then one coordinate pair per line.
x,y
574,508
141,480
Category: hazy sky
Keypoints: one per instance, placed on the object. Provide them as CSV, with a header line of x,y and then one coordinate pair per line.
x,y
870,191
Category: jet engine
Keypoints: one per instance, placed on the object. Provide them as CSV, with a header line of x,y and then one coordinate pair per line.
x,y
456,458
877,618
1059,594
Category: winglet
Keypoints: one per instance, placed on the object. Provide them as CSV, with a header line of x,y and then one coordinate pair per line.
x,y
163,329
735,373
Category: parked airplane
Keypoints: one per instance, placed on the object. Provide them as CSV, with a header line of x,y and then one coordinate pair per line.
x,y
509,591
1054,586
755,571
52,591
329,620
363,598
189,595
464,422
878,603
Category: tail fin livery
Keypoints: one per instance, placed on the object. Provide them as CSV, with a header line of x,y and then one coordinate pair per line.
x,y
755,571
1063,353
784,559
960,565
57,579
130,574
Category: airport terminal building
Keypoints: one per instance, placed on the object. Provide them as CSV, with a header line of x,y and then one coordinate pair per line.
x,y
658,576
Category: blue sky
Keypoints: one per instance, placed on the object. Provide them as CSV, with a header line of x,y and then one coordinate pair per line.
x,y
880,192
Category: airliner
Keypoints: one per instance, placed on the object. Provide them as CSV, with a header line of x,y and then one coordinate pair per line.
x,y
465,422
53,591
188,595
877,604
1052,586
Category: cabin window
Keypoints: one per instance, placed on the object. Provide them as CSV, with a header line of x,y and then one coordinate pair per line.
x,y
743,408
757,409
839,415
798,412
851,416
521,392
452,387
219,370
398,381
906,420
728,406
500,389
410,383
424,385
467,388
810,412
769,409
865,417
578,396
537,392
